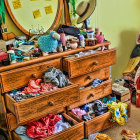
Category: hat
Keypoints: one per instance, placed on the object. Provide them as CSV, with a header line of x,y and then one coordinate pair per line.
x,y
85,9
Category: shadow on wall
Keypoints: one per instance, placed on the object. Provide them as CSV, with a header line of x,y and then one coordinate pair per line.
x,y
124,50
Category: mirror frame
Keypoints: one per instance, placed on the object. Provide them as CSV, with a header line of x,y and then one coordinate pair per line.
x,y
53,26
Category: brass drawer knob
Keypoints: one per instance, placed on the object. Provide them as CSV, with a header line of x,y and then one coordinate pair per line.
x,y
51,103
90,96
95,63
89,77
34,75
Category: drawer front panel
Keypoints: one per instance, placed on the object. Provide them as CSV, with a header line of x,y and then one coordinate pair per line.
x,y
18,78
98,124
89,63
37,107
90,94
86,79
74,133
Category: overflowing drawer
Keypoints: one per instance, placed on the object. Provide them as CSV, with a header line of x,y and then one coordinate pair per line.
x,y
36,107
96,124
90,94
89,63
18,78
87,78
75,132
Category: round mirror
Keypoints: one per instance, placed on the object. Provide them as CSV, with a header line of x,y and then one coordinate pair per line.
x,y
35,16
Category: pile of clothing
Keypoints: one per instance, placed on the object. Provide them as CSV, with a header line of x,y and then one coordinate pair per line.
x,y
93,84
90,110
52,80
47,126
99,107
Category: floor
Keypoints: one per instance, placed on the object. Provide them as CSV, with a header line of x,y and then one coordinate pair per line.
x,y
133,124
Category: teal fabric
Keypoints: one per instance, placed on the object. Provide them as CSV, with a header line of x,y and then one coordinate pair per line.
x,y
2,12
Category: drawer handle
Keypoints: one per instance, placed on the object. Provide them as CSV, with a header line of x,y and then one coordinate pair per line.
x,y
51,103
90,96
89,77
50,66
95,63
34,75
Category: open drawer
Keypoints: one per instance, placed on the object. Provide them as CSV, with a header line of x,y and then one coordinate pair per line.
x,y
18,78
75,132
36,107
87,78
90,94
89,63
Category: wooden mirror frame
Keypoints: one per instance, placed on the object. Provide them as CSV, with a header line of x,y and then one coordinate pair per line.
x,y
53,26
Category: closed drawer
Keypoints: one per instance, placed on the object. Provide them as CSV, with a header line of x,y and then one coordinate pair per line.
x,y
87,78
18,78
89,63
90,94
98,124
75,132
37,107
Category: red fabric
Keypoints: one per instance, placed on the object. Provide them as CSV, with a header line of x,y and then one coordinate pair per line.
x,y
43,128
138,94
35,86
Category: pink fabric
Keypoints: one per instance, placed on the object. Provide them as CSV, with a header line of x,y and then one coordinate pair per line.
x,y
43,128
79,112
35,86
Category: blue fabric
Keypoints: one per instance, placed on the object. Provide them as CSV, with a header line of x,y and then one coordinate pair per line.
x,y
61,125
95,83
21,131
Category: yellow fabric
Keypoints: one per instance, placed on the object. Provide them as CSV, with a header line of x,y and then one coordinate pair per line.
x,y
118,112
103,137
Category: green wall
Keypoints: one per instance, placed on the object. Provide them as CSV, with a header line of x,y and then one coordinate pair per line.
x,y
119,20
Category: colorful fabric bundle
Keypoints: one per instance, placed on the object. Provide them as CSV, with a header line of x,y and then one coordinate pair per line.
x,y
35,86
56,77
43,128
119,112
79,112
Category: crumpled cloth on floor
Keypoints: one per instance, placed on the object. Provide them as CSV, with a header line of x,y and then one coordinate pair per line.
x,y
21,131
119,112
128,135
35,86
56,77
92,136
61,125
79,112
102,137
43,128
95,83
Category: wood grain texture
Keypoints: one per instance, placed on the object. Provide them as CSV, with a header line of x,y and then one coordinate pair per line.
x,y
89,63
37,107
11,119
90,94
75,132
98,124
50,57
84,80
20,77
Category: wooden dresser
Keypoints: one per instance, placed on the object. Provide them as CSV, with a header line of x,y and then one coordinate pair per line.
x,y
80,71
